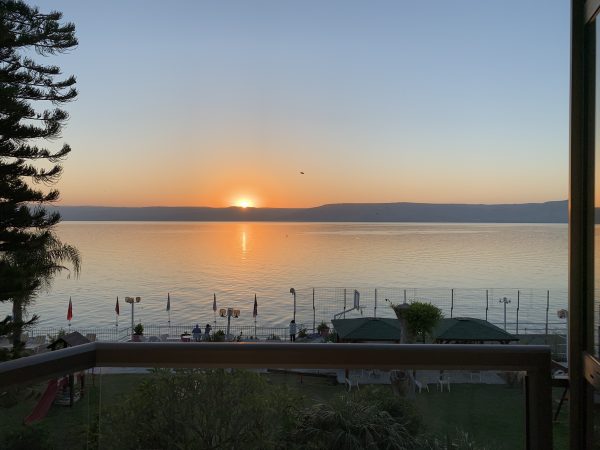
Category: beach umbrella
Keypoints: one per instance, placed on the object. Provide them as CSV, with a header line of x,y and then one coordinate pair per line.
x,y
215,308
70,312
169,307
117,311
255,313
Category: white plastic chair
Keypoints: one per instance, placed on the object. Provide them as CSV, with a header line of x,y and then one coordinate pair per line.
x,y
352,383
444,380
420,386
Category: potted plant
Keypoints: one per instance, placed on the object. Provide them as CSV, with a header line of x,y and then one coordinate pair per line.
x,y
323,329
218,336
186,337
138,332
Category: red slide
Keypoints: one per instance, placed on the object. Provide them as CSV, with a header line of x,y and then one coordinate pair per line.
x,y
41,409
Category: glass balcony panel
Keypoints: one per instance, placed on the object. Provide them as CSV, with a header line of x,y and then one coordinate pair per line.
x,y
263,408
56,413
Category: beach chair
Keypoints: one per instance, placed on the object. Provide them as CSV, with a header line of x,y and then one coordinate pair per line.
x,y
350,382
444,380
36,343
420,386
475,374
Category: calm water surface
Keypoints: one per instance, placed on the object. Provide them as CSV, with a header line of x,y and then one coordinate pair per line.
x,y
192,261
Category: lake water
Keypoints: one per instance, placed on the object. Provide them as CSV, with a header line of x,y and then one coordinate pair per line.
x,y
191,261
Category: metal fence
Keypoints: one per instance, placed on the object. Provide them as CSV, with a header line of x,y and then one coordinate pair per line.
x,y
123,334
511,308
519,311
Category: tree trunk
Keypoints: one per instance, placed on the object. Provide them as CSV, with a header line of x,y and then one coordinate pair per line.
x,y
17,310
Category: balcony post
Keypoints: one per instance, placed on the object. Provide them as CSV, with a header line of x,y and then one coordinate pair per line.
x,y
581,221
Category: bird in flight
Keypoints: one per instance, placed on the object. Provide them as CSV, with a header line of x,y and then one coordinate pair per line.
x,y
301,173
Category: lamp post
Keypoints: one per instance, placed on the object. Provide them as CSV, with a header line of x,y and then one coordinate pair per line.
x,y
229,313
564,314
133,301
293,292
504,300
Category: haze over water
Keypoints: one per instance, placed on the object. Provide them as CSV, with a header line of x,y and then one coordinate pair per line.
x,y
193,260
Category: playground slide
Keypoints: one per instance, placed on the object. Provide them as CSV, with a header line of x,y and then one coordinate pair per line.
x,y
41,409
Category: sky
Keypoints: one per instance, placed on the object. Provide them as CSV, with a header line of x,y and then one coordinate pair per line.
x,y
216,103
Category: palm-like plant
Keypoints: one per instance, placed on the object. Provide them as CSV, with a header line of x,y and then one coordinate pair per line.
x,y
352,423
27,272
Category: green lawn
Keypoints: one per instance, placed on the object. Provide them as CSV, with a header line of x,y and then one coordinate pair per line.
x,y
491,414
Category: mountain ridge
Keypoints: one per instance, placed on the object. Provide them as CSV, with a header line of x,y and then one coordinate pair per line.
x,y
546,212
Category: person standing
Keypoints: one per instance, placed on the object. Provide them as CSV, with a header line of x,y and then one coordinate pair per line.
x,y
293,331
207,329
196,332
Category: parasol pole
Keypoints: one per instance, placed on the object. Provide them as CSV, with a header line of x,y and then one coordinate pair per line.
x,y
255,313
215,310
169,310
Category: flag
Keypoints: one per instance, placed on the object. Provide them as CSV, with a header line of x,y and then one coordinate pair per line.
x,y
168,302
117,310
70,310
214,302
255,311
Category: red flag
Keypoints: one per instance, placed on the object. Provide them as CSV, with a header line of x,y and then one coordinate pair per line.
x,y
168,301
117,310
255,312
70,311
215,302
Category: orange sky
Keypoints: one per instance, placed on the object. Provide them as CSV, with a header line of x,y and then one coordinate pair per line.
x,y
382,104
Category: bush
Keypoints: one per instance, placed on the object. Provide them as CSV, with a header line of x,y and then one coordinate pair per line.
x,y
420,317
138,329
27,438
322,327
460,440
370,419
218,336
202,409
302,333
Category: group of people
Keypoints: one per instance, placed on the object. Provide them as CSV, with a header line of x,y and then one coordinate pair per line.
x,y
197,332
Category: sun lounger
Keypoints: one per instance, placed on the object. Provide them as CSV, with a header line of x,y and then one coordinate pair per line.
x,y
352,383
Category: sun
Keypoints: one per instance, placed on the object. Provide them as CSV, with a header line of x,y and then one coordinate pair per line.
x,y
244,203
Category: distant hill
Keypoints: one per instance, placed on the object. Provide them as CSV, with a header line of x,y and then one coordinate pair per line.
x,y
548,212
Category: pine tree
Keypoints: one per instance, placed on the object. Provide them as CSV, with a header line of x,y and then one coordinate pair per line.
x,y
30,98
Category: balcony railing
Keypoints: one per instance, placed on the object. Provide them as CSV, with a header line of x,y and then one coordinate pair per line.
x,y
534,360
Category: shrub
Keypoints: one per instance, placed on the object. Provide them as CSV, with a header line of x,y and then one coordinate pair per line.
x,y
218,336
302,333
26,438
420,317
357,421
202,409
322,327
138,329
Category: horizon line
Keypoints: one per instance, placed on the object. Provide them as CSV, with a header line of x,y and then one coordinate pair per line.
x,y
307,207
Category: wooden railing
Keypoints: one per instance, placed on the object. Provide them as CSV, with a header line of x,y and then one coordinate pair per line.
x,y
534,360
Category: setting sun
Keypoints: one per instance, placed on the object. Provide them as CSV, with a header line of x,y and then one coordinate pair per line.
x,y
244,203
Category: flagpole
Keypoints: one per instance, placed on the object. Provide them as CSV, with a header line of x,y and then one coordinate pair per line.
x,y
70,313
215,310
255,313
169,310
